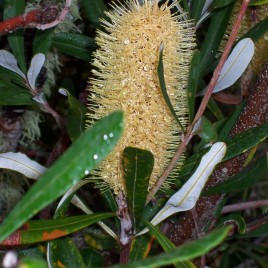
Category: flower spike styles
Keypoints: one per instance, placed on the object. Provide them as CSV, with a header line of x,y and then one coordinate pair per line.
x,y
125,78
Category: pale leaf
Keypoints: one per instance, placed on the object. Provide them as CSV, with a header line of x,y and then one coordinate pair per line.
x,y
35,68
21,163
8,61
234,66
187,196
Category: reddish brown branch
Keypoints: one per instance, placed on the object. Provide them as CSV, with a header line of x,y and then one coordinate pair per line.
x,y
255,113
43,18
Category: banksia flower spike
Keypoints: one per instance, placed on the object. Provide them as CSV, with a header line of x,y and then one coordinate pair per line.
x,y
125,78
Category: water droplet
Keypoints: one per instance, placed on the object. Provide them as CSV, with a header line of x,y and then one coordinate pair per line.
x,y
146,68
105,137
95,156
126,41
111,135
86,172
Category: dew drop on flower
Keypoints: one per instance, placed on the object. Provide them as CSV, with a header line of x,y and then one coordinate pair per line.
x,y
126,41
95,157
111,135
86,172
105,137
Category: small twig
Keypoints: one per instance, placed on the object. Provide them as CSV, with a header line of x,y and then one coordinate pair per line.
x,y
187,137
244,205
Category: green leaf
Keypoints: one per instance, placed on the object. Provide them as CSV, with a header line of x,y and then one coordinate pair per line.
x,y
11,94
13,8
231,121
94,10
236,145
234,218
214,109
193,83
214,35
46,230
167,245
138,166
184,253
161,77
10,76
244,141
84,155
243,180
31,262
64,253
257,31
257,2
42,41
208,132
73,44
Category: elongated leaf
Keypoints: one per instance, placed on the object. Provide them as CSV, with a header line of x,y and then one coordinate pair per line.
x,y
160,72
234,66
243,180
197,8
167,245
8,61
85,154
193,83
257,2
138,166
94,9
236,145
187,196
244,141
76,116
73,44
184,253
11,94
46,230
21,163
216,30
257,31
13,8
36,65
222,3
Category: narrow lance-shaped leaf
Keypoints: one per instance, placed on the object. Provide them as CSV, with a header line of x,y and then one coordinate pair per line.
x,y
36,65
167,245
184,253
46,230
187,196
234,66
21,163
84,155
138,166
161,77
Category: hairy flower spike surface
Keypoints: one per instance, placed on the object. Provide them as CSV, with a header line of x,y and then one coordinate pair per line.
x,y
125,78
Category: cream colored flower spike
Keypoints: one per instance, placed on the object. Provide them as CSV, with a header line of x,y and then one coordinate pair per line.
x,y
126,79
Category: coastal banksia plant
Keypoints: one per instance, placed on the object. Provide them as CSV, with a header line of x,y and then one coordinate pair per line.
x,y
126,78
